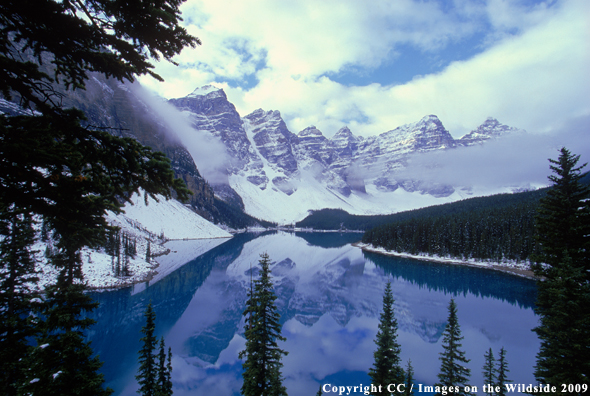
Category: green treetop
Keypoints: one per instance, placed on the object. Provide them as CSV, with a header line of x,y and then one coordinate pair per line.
x,y
148,369
489,371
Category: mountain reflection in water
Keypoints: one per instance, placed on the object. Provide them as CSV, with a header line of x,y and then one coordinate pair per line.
x,y
329,297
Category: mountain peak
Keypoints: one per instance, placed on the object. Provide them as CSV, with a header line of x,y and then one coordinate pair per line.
x,y
490,121
490,129
430,119
207,90
260,113
343,132
310,131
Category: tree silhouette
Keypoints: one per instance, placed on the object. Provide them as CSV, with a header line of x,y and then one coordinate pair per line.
x,y
386,367
453,372
262,367
563,297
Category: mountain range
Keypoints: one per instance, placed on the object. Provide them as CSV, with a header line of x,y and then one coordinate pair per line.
x,y
266,173
280,176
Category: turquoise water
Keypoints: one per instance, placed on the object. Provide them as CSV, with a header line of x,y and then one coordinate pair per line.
x,y
329,297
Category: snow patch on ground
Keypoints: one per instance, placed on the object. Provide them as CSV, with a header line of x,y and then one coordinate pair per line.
x,y
169,218
156,223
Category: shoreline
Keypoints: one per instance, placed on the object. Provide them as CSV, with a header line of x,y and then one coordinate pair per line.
x,y
152,267
517,270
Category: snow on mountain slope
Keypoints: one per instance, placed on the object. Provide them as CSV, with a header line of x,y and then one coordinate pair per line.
x,y
490,129
281,176
168,217
273,205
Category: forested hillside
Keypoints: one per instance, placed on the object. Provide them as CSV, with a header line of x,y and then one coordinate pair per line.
x,y
496,232
496,228
334,219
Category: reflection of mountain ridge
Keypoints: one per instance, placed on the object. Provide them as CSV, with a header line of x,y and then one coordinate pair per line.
x,y
115,336
329,292
342,284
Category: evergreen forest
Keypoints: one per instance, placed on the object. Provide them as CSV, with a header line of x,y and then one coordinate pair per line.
x,y
497,228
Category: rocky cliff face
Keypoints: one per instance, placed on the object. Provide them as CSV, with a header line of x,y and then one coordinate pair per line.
x,y
210,111
111,104
272,143
120,109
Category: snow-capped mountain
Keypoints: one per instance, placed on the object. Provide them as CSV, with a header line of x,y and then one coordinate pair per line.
x,y
490,129
280,175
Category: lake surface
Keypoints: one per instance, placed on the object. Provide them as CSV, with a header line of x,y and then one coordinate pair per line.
x,y
329,297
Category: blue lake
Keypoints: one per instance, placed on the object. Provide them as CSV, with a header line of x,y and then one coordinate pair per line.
x,y
329,297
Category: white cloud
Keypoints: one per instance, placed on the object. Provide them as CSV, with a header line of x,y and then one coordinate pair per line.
x,y
512,161
207,151
532,75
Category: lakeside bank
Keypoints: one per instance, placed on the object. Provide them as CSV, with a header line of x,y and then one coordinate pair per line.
x,y
519,269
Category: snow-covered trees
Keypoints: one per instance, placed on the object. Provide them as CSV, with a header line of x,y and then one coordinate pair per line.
x,y
17,273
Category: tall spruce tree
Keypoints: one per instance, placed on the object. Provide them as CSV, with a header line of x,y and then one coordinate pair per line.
x,y
453,371
386,367
489,371
63,363
409,390
563,297
54,166
167,386
502,373
164,382
147,374
262,367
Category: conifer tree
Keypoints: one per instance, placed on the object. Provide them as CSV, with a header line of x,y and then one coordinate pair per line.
x,y
164,382
409,390
453,371
17,266
262,367
563,297
64,363
320,393
489,370
148,252
167,388
53,166
502,373
386,367
148,369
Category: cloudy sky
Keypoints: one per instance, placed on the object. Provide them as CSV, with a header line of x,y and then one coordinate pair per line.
x,y
379,64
